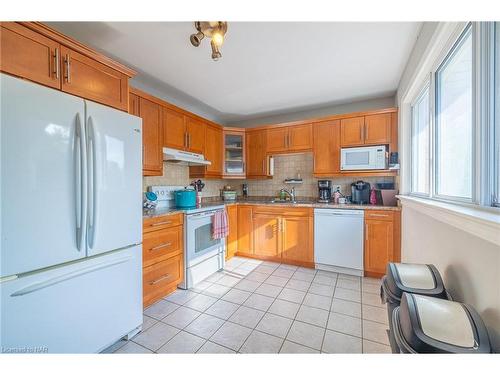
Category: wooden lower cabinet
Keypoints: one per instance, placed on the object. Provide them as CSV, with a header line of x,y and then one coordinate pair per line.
x,y
382,241
266,235
161,279
245,230
298,237
277,234
232,238
162,256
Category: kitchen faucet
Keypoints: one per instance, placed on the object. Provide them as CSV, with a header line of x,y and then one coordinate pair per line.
x,y
290,193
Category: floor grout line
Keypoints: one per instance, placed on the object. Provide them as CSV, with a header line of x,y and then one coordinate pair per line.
x,y
246,271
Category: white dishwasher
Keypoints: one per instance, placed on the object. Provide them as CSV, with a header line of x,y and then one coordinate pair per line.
x,y
338,240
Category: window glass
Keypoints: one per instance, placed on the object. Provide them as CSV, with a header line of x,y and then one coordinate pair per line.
x,y
454,122
420,144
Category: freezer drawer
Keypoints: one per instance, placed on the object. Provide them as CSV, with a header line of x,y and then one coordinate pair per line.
x,y
79,308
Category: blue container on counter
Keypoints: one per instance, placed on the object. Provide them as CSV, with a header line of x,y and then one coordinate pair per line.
x,y
185,198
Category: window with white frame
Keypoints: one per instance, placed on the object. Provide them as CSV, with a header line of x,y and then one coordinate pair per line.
x,y
454,122
496,131
420,156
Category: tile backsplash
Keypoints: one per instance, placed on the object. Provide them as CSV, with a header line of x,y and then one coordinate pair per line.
x,y
285,166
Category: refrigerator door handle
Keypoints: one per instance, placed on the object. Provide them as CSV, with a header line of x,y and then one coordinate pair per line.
x,y
92,184
80,181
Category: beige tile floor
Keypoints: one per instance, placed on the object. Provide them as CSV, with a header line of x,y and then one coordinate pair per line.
x,y
264,307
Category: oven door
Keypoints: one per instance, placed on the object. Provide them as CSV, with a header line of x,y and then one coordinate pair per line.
x,y
199,242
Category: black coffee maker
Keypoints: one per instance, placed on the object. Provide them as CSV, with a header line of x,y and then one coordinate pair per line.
x,y
325,191
360,192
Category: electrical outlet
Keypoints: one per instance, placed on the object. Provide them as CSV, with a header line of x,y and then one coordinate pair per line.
x,y
336,187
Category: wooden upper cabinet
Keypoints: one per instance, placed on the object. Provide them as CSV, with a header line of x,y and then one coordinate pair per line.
x,y
289,139
245,230
297,239
352,131
152,157
30,55
88,78
326,149
277,140
266,235
256,154
213,150
174,129
133,104
195,135
378,129
300,137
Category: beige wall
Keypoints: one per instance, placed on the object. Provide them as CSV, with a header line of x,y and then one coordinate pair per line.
x,y
470,266
285,166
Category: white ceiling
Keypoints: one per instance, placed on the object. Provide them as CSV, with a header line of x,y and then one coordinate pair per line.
x,y
266,67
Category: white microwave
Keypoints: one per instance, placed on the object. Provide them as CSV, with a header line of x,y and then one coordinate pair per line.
x,y
363,158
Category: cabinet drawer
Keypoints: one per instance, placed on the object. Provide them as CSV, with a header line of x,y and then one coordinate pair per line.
x,y
161,278
161,222
161,244
379,215
283,211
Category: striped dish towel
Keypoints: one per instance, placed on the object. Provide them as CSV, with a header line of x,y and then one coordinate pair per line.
x,y
220,225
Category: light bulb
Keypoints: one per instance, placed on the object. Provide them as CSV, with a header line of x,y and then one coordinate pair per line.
x,y
218,38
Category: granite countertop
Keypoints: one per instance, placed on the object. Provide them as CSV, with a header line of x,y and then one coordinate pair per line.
x,y
258,201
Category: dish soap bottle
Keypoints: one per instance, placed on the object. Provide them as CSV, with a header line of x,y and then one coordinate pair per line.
x,y
373,196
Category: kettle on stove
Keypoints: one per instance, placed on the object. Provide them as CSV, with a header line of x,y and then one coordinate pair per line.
x,y
360,192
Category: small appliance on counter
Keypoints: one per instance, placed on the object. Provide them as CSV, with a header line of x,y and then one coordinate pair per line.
x,y
228,194
360,192
387,193
244,188
185,198
325,191
150,200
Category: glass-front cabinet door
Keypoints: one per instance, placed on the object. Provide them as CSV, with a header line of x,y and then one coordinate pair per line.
x,y
234,154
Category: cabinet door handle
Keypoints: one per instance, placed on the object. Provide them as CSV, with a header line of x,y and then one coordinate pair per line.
x,y
56,62
167,244
68,68
378,215
154,282
161,223
189,139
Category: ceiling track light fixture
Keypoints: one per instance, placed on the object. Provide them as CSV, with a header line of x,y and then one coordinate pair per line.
x,y
215,30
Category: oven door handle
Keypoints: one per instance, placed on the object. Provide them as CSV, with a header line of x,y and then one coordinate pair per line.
x,y
202,214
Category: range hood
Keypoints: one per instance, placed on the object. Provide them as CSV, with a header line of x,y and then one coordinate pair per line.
x,y
190,158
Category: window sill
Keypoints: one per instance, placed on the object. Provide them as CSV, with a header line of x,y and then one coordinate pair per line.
x,y
478,222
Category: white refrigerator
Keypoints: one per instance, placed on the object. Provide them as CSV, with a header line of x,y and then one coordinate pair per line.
x,y
70,221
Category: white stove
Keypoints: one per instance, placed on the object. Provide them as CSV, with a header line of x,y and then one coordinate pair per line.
x,y
203,255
